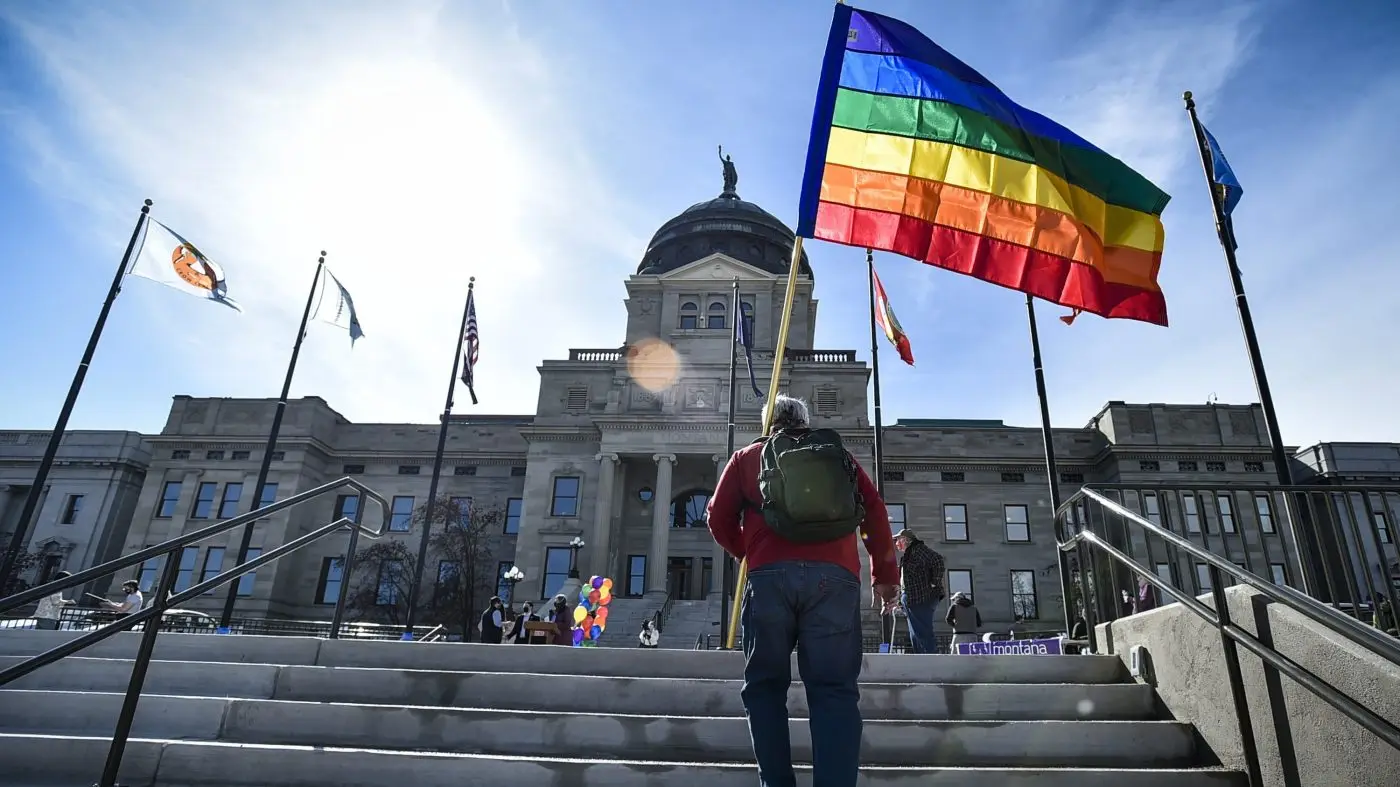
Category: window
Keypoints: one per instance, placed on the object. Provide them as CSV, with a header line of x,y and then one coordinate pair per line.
x,y
1023,602
464,510
1193,516
890,475
228,505
169,498
1152,508
185,578
1164,573
512,516
268,496
449,571
954,522
352,469
1266,512
1187,467
636,575
1013,478
74,506
897,516
245,582
1226,507
328,586
1018,523
715,320
1203,577
401,515
1071,478
180,454
204,500
1149,465
1254,467
1377,518
960,581
1215,467
214,455
688,510
242,456
464,470
556,570
390,574
346,506
502,586
213,563
690,316
1278,573
565,499
951,477
517,472
409,469
150,573
278,456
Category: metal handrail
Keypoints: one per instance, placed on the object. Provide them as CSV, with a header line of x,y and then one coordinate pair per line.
x,y
165,598
1231,634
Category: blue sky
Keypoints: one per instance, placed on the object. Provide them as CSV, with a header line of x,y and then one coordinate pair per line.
x,y
538,145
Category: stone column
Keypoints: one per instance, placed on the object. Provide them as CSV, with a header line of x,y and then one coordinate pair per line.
x,y
602,515
660,524
719,555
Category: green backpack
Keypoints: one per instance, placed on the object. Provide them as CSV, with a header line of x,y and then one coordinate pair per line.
x,y
808,484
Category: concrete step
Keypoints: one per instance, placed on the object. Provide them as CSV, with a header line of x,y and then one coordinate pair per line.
x,y
602,662
569,693
1123,744
53,760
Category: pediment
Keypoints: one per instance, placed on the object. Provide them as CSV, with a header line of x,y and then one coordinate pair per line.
x,y
716,267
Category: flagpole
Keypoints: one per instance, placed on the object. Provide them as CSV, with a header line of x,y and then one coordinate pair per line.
x,y
727,570
1224,230
266,466
416,588
1052,469
875,372
36,488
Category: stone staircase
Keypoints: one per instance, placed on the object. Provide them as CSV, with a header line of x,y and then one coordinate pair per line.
x,y
688,621
244,711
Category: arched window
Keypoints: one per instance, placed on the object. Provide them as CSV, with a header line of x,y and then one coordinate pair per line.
x,y
716,318
690,315
688,510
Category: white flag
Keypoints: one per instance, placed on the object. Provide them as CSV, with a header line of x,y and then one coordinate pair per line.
x,y
170,259
336,307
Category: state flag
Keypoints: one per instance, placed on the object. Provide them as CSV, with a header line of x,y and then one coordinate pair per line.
x,y
168,258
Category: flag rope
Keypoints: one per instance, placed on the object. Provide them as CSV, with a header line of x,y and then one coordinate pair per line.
x,y
779,351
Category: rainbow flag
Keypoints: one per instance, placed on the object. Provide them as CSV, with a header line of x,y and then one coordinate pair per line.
x,y
916,153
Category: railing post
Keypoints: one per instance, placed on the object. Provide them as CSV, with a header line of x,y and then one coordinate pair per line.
x,y
346,567
1232,668
138,672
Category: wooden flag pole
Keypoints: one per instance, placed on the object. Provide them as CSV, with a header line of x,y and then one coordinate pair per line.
x,y
779,351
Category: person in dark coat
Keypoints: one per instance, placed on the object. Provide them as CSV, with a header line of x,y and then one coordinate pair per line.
x,y
492,621
563,621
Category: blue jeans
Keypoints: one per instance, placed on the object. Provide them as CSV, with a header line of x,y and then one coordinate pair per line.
x,y
920,616
815,608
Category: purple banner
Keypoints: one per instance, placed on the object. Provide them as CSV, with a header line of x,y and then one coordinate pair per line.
x,y
1015,647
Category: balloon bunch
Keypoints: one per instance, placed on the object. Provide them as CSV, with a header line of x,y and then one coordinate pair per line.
x,y
591,614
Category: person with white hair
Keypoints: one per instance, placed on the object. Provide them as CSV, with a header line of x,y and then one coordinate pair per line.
x,y
796,505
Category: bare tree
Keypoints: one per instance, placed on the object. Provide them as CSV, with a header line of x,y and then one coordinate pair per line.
x,y
24,561
460,577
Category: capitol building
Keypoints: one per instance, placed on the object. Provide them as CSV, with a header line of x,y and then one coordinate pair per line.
x,y
623,450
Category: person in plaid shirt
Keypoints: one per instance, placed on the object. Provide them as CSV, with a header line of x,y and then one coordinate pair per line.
x,y
921,573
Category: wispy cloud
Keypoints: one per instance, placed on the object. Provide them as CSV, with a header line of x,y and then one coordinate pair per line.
x,y
374,134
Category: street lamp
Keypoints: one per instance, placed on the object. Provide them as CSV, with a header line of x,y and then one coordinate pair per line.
x,y
512,577
574,547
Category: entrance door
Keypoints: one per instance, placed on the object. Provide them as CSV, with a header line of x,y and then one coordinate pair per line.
x,y
678,578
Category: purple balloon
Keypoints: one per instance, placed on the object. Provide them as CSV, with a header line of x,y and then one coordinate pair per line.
x,y
578,637
597,583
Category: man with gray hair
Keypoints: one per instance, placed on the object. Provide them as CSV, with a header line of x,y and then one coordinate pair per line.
x,y
795,503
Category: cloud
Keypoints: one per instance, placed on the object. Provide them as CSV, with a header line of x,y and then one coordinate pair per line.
x,y
374,134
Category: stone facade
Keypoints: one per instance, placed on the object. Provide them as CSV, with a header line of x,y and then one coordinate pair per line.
x,y
87,501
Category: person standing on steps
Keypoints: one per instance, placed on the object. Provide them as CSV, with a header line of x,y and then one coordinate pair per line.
x,y
965,620
796,504
921,573
492,622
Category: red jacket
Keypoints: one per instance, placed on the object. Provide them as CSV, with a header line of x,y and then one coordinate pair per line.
x,y
736,495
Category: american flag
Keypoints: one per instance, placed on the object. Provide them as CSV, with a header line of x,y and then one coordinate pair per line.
x,y
471,345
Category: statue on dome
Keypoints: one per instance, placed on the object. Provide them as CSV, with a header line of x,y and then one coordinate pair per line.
x,y
731,175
